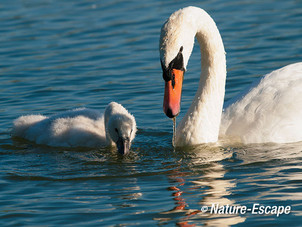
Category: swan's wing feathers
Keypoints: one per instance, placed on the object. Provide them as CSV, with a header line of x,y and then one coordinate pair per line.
x,y
271,111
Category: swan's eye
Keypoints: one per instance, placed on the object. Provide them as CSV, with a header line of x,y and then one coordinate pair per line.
x,y
116,130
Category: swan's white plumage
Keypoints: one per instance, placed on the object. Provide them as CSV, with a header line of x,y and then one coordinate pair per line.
x,y
206,108
271,111
76,128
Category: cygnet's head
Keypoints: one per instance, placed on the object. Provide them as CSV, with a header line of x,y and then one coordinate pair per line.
x,y
122,129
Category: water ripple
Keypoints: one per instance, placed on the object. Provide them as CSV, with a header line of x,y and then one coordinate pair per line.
x,y
58,55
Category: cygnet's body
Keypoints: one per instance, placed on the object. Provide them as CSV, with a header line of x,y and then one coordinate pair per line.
x,y
80,128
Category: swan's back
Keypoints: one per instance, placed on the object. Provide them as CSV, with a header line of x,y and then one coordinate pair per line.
x,y
74,128
271,111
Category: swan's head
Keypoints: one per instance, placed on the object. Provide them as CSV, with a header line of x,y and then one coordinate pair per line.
x,y
176,44
121,129
173,76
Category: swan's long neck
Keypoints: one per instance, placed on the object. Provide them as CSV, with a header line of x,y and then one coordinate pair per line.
x,y
202,120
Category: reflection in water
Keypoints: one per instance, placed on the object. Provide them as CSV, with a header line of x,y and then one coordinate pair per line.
x,y
272,183
211,186
163,186
218,190
275,173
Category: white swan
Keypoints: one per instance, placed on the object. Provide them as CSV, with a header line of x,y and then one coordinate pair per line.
x,y
80,128
271,111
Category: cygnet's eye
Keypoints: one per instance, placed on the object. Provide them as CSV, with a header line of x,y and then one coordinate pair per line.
x,y
116,130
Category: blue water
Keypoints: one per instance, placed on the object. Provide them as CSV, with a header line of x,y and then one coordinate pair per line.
x,y
59,55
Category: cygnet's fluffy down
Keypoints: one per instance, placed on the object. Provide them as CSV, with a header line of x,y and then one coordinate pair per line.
x,y
80,128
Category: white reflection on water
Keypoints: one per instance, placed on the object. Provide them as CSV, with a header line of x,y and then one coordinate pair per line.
x,y
213,186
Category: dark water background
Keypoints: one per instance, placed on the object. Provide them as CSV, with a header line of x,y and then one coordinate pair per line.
x,y
59,55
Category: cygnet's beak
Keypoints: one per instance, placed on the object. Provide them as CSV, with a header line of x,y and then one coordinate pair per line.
x,y
123,145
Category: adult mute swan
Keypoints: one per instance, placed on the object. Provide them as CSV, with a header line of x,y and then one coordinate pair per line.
x,y
271,110
80,128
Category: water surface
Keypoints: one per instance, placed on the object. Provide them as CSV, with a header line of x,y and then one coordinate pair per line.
x,y
59,55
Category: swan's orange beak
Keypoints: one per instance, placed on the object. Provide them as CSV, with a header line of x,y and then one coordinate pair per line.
x,y
172,96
